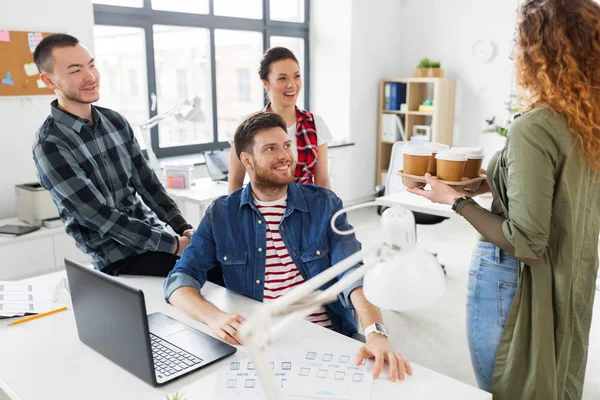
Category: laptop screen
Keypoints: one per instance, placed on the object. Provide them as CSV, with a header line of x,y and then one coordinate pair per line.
x,y
217,163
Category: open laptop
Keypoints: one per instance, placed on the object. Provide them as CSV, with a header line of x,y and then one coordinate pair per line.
x,y
217,164
111,319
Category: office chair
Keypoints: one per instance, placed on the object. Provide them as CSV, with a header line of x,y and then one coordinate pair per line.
x,y
393,184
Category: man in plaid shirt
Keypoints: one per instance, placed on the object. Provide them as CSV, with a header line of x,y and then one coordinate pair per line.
x,y
89,160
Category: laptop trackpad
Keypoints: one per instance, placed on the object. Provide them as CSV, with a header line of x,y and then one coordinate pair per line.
x,y
187,339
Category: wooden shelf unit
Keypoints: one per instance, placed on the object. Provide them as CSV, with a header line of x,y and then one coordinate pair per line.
x,y
441,119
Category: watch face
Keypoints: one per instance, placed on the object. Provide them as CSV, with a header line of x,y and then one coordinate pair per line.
x,y
381,328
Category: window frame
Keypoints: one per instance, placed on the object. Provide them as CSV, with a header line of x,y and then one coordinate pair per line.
x,y
146,17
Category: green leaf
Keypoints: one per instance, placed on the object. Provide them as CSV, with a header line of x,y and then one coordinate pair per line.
x,y
424,63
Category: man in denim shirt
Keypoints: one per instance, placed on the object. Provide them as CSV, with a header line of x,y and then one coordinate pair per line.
x,y
269,237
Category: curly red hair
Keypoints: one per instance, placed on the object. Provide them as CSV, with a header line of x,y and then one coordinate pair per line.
x,y
558,65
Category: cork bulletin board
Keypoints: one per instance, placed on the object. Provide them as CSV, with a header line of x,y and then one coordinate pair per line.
x,y
18,74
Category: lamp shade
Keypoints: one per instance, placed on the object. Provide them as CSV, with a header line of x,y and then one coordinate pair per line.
x,y
195,114
410,280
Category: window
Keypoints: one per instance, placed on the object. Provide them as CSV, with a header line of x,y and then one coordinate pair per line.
x,y
235,50
182,64
243,79
119,51
239,8
133,83
170,54
182,84
287,10
186,6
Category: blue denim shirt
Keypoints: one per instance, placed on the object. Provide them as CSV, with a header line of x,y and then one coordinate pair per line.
x,y
233,234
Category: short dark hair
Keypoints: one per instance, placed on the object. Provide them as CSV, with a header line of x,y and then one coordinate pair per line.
x,y
273,55
253,124
42,56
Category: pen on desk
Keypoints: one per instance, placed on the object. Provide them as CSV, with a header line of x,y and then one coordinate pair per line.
x,y
37,316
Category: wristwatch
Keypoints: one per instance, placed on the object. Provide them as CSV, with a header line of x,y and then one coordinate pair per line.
x,y
459,200
377,328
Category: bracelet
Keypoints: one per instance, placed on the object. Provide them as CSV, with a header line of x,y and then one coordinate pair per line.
x,y
458,201
177,248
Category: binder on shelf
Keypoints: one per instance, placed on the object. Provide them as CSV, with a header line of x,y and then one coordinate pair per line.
x,y
391,128
400,129
386,96
397,95
394,96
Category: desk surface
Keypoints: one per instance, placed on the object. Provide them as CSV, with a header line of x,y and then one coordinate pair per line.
x,y
202,191
420,204
44,359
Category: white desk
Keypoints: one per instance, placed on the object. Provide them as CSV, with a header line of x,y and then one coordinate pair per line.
x,y
44,359
36,253
420,204
192,202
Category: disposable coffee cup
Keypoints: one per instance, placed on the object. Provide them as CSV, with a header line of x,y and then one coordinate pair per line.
x,y
474,160
450,165
416,160
435,148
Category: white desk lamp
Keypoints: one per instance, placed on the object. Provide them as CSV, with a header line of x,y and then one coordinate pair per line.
x,y
404,277
195,114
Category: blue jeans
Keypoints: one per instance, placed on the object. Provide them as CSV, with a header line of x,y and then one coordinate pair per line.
x,y
493,278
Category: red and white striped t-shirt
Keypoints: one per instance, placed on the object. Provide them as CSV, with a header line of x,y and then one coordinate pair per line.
x,y
281,273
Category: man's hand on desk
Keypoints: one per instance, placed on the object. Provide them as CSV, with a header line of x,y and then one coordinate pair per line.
x,y
378,347
226,326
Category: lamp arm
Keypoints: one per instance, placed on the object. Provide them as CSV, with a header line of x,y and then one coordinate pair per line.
x,y
300,292
152,122
321,298
258,331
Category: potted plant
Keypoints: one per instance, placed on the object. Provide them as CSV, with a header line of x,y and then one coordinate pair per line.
x,y
427,68
501,128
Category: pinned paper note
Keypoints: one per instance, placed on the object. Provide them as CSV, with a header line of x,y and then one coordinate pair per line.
x,y
41,84
8,79
4,36
34,39
31,69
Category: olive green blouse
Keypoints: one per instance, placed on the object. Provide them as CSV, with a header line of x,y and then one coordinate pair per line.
x,y
547,205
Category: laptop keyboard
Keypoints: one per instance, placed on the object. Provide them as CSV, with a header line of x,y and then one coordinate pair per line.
x,y
168,359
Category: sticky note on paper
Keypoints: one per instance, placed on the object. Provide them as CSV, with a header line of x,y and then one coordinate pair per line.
x,y
4,36
31,69
34,39
41,84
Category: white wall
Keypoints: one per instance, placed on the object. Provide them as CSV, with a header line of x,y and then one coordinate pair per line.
x,y
21,117
348,59
355,43
481,89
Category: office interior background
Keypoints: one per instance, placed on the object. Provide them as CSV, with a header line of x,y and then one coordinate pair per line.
x,y
153,54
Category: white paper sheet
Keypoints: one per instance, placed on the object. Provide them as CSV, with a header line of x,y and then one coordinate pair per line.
x,y
17,299
327,370
239,378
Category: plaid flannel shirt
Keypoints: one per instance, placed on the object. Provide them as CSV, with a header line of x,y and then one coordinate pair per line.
x,y
94,173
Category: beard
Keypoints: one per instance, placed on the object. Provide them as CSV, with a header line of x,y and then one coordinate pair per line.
x,y
76,97
267,179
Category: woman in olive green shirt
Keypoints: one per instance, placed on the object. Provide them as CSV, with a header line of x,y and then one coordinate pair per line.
x,y
533,275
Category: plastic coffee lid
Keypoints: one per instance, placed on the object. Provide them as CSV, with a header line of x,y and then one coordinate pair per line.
x,y
412,150
435,147
451,156
470,152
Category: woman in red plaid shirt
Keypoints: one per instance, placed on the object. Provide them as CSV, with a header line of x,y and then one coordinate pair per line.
x,y
280,74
